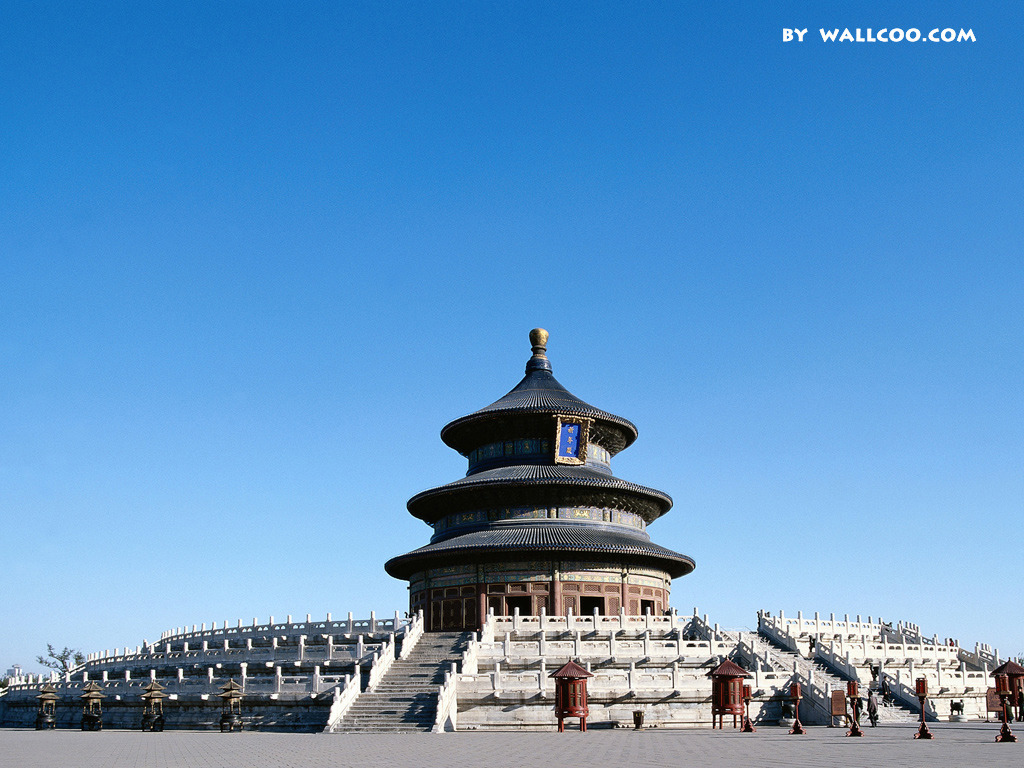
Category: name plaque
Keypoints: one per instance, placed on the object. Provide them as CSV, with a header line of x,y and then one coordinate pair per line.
x,y
572,434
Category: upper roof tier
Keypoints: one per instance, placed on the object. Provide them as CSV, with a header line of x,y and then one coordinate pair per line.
x,y
537,397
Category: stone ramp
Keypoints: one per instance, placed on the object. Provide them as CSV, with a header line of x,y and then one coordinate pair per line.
x,y
405,701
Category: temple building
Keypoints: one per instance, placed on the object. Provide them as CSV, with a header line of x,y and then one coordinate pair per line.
x,y
539,524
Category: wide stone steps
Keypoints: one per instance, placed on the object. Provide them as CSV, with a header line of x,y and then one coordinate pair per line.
x,y
887,713
406,699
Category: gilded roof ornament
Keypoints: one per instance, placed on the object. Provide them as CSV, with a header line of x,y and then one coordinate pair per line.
x,y
539,345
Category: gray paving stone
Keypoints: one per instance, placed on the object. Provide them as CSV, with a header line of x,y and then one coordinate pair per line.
x,y
893,747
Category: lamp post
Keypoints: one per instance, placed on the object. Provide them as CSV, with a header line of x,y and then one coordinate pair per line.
x,y
153,709
853,694
1004,692
748,726
922,695
46,717
794,694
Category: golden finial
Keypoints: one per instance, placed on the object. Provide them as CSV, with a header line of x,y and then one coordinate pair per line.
x,y
539,342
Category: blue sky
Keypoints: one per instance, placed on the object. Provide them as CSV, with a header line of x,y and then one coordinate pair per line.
x,y
254,256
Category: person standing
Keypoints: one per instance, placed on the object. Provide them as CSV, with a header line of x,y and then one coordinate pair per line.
x,y
873,708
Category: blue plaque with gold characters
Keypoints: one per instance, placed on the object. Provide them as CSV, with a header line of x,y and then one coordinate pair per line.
x,y
571,437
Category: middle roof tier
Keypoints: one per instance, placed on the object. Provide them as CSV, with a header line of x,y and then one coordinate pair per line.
x,y
540,485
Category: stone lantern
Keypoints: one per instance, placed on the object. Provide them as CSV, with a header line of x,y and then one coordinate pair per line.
x,y
571,694
727,692
231,715
46,717
153,711
92,707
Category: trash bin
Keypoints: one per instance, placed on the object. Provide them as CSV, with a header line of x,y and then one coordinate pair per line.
x,y
638,719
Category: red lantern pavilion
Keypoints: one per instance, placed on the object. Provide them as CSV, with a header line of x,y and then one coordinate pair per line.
x,y
1015,676
571,694
727,692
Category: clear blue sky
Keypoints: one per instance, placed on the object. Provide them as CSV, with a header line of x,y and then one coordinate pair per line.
x,y
254,256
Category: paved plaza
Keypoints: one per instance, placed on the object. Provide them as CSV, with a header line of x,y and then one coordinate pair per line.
x,y
955,745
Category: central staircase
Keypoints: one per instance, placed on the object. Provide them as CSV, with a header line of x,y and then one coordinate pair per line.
x,y
405,701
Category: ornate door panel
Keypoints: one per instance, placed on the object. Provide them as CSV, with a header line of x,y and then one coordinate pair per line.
x,y
451,615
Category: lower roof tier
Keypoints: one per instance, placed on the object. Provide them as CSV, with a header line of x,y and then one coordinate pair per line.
x,y
542,541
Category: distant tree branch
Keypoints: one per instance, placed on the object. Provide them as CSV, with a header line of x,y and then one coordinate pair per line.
x,y
62,661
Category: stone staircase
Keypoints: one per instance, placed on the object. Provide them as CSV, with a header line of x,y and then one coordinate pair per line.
x,y
783,658
786,660
405,701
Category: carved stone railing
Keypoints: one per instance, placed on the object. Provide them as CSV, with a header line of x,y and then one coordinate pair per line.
x,y
344,697
307,627
412,635
382,661
571,623
447,716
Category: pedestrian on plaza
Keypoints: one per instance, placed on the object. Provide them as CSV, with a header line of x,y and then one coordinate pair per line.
x,y
873,708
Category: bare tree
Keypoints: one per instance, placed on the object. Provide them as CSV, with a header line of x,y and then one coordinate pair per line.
x,y
62,661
